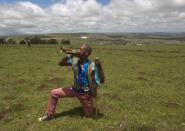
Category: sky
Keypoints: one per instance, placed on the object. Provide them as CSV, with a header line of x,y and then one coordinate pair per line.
x,y
92,16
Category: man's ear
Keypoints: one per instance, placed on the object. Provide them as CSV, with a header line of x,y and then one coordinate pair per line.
x,y
87,53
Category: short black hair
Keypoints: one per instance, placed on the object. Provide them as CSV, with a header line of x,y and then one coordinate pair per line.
x,y
88,48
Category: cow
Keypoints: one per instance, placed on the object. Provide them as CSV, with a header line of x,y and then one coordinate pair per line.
x,y
27,41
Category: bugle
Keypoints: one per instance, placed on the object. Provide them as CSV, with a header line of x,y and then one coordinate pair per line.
x,y
74,52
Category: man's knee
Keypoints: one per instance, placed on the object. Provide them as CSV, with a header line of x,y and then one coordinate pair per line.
x,y
57,93
53,93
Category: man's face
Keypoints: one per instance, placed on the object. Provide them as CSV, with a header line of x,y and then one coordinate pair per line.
x,y
83,51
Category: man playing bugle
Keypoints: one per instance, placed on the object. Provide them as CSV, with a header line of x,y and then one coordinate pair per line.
x,y
83,76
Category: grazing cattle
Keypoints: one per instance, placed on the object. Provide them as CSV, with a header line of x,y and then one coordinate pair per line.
x,y
2,41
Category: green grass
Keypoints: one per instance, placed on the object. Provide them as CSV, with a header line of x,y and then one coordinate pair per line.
x,y
144,89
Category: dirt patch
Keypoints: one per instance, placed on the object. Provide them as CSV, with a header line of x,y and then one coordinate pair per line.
x,y
17,107
5,113
21,81
38,68
172,104
43,87
141,73
9,97
141,78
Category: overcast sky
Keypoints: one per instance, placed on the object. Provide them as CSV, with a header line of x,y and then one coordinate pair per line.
x,y
71,16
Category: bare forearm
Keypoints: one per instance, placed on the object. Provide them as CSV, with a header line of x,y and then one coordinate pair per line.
x,y
63,62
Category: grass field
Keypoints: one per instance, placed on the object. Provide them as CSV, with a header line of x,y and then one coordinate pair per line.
x,y
144,89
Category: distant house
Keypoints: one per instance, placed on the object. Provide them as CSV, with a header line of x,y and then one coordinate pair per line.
x,y
83,37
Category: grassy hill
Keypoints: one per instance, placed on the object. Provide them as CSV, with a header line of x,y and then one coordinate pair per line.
x,y
144,89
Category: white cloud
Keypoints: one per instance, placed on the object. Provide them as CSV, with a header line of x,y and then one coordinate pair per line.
x,y
180,2
91,16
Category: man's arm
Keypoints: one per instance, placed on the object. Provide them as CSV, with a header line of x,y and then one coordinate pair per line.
x,y
64,61
92,79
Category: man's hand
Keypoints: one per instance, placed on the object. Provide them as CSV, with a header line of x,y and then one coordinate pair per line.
x,y
62,49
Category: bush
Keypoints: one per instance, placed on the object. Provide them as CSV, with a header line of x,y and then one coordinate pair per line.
x,y
52,41
22,42
11,41
35,40
65,42
2,41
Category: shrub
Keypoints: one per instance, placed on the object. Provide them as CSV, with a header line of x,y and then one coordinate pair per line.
x,y
65,42
52,41
11,41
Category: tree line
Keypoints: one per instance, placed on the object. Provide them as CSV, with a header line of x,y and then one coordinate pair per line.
x,y
34,40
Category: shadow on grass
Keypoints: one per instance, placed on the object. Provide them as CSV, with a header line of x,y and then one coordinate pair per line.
x,y
75,112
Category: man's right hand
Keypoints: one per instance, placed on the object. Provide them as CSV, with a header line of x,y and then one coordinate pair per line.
x,y
62,49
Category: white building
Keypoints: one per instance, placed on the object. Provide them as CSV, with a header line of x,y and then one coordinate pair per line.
x,y
83,37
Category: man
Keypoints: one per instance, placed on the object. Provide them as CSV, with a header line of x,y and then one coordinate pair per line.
x,y
83,76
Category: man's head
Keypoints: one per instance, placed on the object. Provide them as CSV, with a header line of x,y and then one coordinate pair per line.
x,y
85,51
